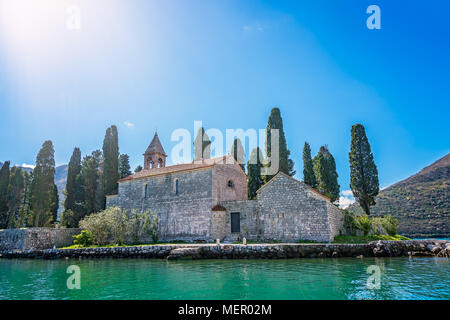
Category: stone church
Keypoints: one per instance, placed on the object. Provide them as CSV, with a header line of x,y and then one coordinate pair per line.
x,y
207,199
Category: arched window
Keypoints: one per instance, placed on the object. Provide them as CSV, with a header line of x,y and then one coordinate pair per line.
x,y
176,187
230,184
160,163
146,191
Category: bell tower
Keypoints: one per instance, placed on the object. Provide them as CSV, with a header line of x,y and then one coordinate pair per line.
x,y
154,156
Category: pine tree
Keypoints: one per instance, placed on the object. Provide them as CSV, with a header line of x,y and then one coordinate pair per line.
x,y
326,175
286,165
202,145
254,166
44,198
308,169
124,166
363,171
16,191
111,161
4,184
238,153
138,168
74,193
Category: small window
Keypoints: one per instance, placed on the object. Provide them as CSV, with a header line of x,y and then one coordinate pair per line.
x,y
235,222
146,191
230,184
176,187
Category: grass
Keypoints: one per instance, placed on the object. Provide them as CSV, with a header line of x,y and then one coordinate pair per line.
x,y
367,239
77,246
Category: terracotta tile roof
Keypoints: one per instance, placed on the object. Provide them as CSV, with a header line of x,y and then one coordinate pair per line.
x,y
181,167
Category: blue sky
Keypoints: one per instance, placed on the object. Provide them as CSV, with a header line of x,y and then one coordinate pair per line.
x,y
163,64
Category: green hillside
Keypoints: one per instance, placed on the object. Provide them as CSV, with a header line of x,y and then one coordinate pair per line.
x,y
421,203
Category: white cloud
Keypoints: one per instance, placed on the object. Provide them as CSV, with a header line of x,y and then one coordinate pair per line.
x,y
346,199
347,193
26,165
128,124
253,27
344,202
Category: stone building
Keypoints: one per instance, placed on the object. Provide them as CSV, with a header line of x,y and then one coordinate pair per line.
x,y
207,199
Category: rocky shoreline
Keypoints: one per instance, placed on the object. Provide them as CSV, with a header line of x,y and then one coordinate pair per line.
x,y
432,248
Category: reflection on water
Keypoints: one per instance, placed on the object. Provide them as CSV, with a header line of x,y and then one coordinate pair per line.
x,y
346,278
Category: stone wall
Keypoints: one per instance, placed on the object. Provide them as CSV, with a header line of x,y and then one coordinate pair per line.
x,y
249,218
36,238
290,211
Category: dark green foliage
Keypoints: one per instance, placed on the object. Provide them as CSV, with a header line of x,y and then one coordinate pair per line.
x,y
91,183
124,166
111,161
44,199
309,176
237,151
326,175
74,190
254,166
16,191
363,171
138,168
202,145
4,184
286,165
25,210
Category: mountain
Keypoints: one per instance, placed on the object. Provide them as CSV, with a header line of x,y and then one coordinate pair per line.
x,y
421,202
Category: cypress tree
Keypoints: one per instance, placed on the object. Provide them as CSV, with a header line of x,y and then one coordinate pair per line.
x,y
111,161
4,184
326,175
254,166
15,196
25,210
100,192
286,165
238,153
363,171
138,168
44,200
91,182
73,187
124,165
308,169
202,145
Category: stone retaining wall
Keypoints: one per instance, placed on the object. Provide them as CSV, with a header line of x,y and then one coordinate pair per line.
x,y
36,238
255,251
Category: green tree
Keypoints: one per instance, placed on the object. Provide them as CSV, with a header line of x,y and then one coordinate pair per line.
x,y
202,145
326,175
74,191
44,200
124,165
254,167
286,165
309,176
90,181
25,210
237,150
4,184
111,161
138,168
363,171
15,196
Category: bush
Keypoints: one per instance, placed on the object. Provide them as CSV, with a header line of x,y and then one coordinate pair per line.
x,y
117,226
364,223
84,239
390,224
349,223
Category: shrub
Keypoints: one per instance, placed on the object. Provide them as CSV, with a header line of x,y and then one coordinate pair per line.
x,y
390,224
364,223
117,226
378,226
84,239
349,223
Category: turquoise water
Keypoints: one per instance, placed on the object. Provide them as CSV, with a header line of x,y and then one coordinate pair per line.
x,y
344,278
